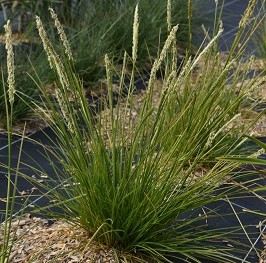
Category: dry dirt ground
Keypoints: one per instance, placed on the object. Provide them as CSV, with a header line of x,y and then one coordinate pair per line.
x,y
37,241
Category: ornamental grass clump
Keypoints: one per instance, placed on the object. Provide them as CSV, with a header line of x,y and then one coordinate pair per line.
x,y
132,179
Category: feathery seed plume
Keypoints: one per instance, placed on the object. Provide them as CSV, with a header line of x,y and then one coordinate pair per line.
x,y
169,15
189,9
64,110
135,34
10,63
61,34
157,63
61,73
53,58
259,82
184,71
107,63
123,71
46,43
210,140
108,76
257,153
59,67
247,14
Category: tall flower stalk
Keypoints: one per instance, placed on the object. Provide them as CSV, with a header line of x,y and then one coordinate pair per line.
x,y
9,95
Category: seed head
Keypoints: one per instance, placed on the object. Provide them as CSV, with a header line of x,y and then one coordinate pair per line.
x,y
135,34
257,154
64,110
61,34
45,41
53,58
107,63
169,41
210,139
189,9
247,14
169,15
10,63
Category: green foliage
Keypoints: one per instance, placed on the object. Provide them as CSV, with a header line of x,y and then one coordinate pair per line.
x,y
209,109
125,190
130,182
131,179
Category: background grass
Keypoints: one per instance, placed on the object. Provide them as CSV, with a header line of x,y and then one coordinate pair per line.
x,y
93,30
